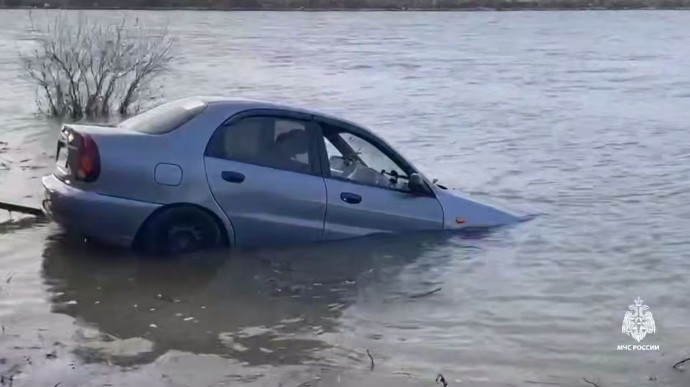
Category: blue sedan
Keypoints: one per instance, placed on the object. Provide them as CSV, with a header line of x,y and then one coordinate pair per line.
x,y
204,172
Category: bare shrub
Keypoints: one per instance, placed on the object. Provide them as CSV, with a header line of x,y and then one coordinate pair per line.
x,y
90,69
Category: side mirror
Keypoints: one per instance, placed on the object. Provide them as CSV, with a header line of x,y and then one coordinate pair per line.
x,y
417,185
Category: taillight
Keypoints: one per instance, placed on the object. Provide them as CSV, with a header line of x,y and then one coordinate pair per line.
x,y
89,162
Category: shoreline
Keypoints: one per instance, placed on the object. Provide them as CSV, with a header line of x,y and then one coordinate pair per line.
x,y
515,8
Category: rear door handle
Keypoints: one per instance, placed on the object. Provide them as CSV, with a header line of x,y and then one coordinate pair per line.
x,y
351,198
233,177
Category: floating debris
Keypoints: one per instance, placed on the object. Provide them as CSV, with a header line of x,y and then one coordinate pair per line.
x,y
677,365
592,383
424,294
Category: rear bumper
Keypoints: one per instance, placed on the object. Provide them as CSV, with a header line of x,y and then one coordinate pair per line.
x,y
108,219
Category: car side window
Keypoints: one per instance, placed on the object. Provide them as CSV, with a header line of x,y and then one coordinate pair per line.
x,y
282,143
354,158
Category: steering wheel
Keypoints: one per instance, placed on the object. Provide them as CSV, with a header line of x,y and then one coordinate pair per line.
x,y
393,176
350,160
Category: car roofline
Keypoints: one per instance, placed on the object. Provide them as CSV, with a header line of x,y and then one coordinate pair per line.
x,y
245,104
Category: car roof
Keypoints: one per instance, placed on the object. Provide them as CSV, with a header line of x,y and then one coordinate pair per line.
x,y
241,104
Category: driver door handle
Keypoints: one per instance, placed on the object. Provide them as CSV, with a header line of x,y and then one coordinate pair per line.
x,y
350,198
232,176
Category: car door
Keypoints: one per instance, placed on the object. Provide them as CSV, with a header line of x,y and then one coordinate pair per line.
x,y
264,171
361,199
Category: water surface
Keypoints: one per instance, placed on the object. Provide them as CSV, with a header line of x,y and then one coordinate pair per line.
x,y
581,117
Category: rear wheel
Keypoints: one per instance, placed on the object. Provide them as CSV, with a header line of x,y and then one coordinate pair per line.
x,y
180,230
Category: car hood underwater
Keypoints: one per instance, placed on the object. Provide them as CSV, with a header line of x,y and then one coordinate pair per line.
x,y
464,211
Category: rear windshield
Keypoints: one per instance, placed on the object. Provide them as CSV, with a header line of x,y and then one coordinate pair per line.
x,y
164,118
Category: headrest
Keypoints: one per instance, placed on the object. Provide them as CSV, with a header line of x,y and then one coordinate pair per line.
x,y
295,141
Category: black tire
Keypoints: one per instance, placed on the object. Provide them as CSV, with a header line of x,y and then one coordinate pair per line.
x,y
180,230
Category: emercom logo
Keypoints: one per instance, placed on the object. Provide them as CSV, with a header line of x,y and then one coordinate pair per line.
x,y
638,322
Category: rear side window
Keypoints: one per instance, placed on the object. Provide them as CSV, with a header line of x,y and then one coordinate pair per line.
x,y
281,143
164,118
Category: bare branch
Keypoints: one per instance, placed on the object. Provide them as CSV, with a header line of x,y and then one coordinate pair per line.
x,y
678,364
87,68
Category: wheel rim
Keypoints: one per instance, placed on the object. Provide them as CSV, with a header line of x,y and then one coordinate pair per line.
x,y
188,237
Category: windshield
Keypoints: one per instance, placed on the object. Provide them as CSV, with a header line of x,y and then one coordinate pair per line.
x,y
164,118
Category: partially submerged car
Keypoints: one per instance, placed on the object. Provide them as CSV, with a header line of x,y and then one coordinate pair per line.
x,y
203,172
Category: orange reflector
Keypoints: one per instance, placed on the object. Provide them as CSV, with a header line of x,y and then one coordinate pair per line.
x,y
459,220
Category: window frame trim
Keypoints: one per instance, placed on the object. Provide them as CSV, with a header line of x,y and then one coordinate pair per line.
x,y
315,161
375,141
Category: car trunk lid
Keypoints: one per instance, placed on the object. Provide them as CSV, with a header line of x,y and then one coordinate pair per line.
x,y
81,149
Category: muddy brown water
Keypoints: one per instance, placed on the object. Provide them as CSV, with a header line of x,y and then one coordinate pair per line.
x,y
581,117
